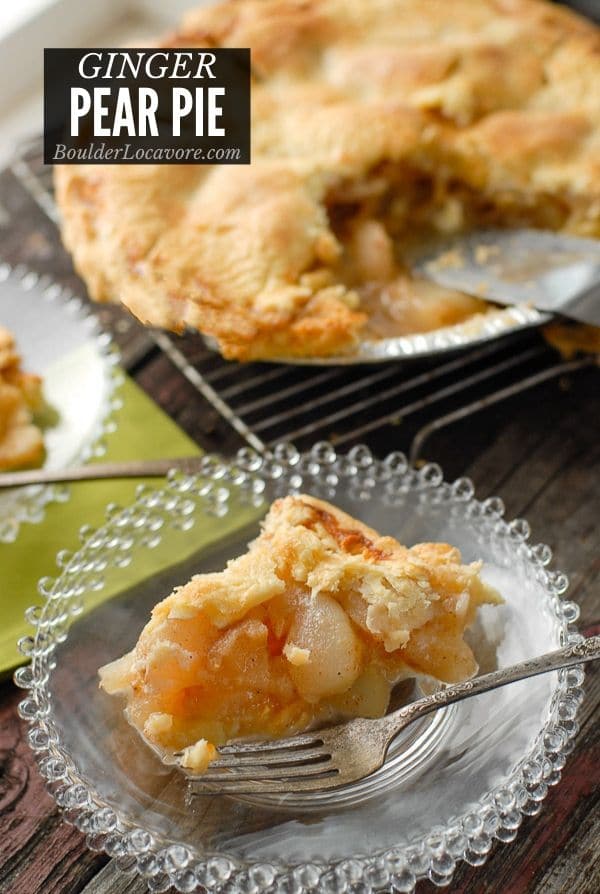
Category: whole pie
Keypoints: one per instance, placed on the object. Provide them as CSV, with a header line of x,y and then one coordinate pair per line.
x,y
21,442
374,125
315,622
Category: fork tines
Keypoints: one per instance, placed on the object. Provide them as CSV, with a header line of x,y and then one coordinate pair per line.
x,y
267,767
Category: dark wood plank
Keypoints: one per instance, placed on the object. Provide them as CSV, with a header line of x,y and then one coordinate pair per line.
x,y
110,880
189,409
552,479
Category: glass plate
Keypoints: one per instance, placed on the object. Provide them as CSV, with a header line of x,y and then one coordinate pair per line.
x,y
61,341
461,782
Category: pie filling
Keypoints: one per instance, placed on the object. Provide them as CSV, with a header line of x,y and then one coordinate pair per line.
x,y
382,219
315,622
21,442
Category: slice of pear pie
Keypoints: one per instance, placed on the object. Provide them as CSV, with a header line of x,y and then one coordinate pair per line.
x,y
315,622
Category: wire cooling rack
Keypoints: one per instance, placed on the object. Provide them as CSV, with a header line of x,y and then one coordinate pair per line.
x,y
394,404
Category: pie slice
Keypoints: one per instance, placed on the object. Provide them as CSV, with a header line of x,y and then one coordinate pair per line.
x,y
316,621
374,126
21,442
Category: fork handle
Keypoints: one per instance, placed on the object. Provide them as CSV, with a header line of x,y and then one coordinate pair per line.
x,y
150,468
588,650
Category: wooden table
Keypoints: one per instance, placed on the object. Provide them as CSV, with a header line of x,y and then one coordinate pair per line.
x,y
539,451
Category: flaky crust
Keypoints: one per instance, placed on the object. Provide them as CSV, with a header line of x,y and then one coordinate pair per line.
x,y
21,442
495,96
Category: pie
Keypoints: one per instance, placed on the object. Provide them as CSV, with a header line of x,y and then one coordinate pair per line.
x,y
374,125
21,442
316,621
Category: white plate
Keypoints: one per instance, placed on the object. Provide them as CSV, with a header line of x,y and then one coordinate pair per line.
x,y
60,340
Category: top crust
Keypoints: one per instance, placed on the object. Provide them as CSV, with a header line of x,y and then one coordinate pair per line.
x,y
496,96
308,542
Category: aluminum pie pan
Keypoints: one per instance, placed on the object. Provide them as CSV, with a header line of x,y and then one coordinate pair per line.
x,y
480,328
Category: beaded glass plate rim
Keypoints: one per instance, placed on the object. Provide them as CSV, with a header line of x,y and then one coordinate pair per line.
x,y
30,501
496,815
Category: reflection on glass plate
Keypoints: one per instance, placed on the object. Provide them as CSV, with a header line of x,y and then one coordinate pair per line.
x,y
61,341
454,788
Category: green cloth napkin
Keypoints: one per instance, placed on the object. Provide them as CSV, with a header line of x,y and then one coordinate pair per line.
x,y
143,432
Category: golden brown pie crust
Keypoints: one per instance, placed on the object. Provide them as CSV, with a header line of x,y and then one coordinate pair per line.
x,y
401,115
21,442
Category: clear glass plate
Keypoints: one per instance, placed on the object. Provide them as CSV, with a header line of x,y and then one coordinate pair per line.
x,y
459,782
60,340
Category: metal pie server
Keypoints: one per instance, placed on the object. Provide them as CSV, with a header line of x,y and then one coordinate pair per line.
x,y
549,271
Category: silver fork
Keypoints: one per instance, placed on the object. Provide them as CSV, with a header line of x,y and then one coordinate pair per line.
x,y
332,757
146,468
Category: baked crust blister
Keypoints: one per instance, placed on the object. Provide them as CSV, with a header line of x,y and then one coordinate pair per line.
x,y
21,442
317,620
371,123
